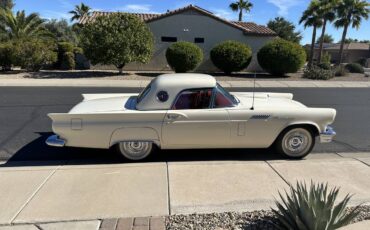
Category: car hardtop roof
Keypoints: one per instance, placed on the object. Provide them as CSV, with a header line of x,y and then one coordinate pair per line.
x,y
173,84
184,81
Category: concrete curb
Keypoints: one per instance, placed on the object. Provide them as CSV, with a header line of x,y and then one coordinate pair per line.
x,y
143,83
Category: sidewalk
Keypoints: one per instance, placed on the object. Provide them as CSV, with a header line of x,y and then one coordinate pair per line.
x,y
44,192
143,83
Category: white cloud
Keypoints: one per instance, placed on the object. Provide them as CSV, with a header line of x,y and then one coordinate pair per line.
x,y
49,14
66,4
222,13
136,8
284,5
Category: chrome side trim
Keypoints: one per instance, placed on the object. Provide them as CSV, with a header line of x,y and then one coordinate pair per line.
x,y
55,141
328,135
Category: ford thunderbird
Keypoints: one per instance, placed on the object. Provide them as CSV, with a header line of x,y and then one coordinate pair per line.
x,y
188,111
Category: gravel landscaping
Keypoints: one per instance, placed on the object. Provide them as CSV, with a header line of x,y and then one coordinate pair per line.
x,y
234,221
147,75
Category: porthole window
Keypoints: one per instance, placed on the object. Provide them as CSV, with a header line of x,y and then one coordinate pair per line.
x,y
162,96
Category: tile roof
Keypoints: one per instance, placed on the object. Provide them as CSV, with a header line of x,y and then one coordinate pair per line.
x,y
350,46
246,27
253,27
86,19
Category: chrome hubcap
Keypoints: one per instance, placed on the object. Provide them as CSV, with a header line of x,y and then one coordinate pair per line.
x,y
135,150
297,142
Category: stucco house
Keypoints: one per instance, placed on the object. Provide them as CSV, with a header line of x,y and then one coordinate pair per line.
x,y
194,24
352,52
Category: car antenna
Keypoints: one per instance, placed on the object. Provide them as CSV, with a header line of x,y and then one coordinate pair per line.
x,y
254,89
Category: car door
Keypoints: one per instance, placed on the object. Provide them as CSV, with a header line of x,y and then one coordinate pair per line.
x,y
192,123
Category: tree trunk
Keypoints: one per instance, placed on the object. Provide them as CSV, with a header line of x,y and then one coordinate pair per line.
x,y
240,15
312,50
344,34
120,68
321,42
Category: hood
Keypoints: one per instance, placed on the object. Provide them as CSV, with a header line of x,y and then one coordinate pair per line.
x,y
268,100
93,103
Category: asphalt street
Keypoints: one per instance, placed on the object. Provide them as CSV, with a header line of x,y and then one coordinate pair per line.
x,y
24,124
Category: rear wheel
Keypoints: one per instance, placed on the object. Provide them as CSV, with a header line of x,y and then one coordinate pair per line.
x,y
295,142
135,150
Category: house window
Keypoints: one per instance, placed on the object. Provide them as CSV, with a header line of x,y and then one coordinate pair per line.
x,y
198,40
169,39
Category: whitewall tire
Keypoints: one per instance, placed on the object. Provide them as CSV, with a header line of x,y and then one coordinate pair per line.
x,y
135,150
295,142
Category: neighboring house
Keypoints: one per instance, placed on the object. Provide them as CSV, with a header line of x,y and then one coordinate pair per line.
x,y
352,52
194,24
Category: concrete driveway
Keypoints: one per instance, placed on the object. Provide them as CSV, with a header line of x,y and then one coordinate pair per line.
x,y
72,190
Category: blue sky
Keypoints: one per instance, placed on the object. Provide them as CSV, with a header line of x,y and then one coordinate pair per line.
x,y
262,12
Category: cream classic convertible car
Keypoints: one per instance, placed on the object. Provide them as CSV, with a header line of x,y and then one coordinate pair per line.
x,y
187,111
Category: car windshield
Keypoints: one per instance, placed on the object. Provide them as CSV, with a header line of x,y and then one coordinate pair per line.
x,y
227,94
144,93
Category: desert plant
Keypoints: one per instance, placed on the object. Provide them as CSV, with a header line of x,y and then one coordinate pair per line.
x,y
80,11
350,13
184,56
68,61
6,56
241,6
326,58
317,73
354,68
311,17
231,56
22,26
340,71
33,54
279,57
117,40
313,208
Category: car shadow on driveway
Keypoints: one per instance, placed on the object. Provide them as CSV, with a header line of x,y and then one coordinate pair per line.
x,y
37,153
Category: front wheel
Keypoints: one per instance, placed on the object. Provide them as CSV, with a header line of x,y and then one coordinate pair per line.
x,y
135,150
295,142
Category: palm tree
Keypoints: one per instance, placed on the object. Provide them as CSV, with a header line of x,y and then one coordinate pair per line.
x,y
310,18
241,5
22,26
350,12
327,12
80,11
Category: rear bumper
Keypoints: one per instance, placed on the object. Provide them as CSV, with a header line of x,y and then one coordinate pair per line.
x,y
55,141
328,135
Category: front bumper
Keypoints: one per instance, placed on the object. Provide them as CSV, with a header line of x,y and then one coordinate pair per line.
x,y
328,135
55,141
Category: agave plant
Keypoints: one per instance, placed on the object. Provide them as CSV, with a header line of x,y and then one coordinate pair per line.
x,y
313,209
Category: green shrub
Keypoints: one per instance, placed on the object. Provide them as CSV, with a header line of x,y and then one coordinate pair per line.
x,y
184,56
326,58
68,61
324,65
63,47
362,61
313,208
231,56
34,54
340,71
317,73
354,68
117,40
77,50
279,57
6,56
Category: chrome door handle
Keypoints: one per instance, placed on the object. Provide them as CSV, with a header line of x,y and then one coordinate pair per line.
x,y
172,116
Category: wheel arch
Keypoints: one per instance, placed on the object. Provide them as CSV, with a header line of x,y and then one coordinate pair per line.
x,y
312,127
134,134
